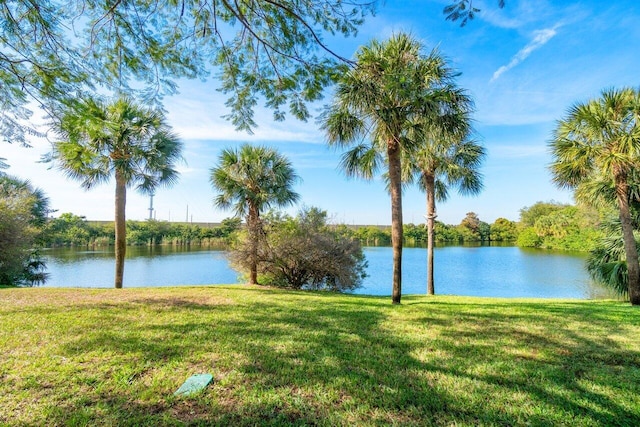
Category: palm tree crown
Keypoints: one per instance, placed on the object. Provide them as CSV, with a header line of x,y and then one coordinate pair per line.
x,y
253,176
597,145
447,153
101,140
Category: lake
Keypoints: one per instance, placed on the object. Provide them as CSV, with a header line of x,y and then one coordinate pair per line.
x,y
492,271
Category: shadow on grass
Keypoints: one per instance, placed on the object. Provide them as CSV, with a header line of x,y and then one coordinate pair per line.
x,y
341,362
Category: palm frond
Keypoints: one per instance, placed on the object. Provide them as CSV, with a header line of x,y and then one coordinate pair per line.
x,y
600,137
253,175
362,161
98,138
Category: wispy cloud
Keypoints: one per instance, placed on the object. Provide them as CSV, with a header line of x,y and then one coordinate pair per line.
x,y
200,124
540,38
197,113
516,15
499,20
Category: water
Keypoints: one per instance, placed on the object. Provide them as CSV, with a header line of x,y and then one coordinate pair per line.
x,y
489,271
474,271
144,266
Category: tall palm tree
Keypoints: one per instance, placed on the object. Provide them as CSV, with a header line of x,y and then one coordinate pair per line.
x,y
121,139
445,160
600,140
249,180
391,84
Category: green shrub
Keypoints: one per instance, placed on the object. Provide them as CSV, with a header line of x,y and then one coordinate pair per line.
x,y
304,253
528,238
23,211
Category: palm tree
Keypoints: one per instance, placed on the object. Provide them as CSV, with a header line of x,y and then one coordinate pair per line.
x,y
606,262
121,139
600,140
249,180
445,160
391,85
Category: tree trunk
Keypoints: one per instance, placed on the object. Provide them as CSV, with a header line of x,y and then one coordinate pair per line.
x,y
430,187
121,228
631,251
395,184
253,222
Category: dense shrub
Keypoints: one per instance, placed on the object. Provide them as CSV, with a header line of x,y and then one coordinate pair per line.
x,y
72,230
503,230
559,226
304,253
528,238
606,262
23,211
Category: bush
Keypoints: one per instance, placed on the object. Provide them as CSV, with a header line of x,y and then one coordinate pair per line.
x,y
304,253
503,230
560,227
23,211
606,262
528,238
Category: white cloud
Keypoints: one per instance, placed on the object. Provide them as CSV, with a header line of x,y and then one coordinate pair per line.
x,y
196,114
194,121
497,19
541,37
514,15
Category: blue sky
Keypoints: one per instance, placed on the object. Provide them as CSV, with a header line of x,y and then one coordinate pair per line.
x,y
524,65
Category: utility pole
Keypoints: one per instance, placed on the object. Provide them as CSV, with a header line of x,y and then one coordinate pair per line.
x,y
151,206
187,220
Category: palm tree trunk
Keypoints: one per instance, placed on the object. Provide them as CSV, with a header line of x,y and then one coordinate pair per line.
x,y
395,184
631,251
430,187
253,224
121,229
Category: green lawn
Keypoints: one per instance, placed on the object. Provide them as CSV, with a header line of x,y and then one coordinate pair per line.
x,y
114,357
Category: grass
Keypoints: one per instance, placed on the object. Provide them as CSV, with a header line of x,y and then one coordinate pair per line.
x,y
114,357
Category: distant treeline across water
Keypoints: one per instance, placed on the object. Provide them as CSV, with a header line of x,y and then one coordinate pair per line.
x,y
72,230
542,225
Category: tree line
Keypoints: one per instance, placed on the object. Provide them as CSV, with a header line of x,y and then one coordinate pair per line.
x,y
69,230
543,225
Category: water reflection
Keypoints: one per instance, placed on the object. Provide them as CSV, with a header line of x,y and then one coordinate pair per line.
x,y
72,255
145,266
495,271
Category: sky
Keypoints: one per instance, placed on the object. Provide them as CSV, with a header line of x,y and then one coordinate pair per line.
x,y
524,65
